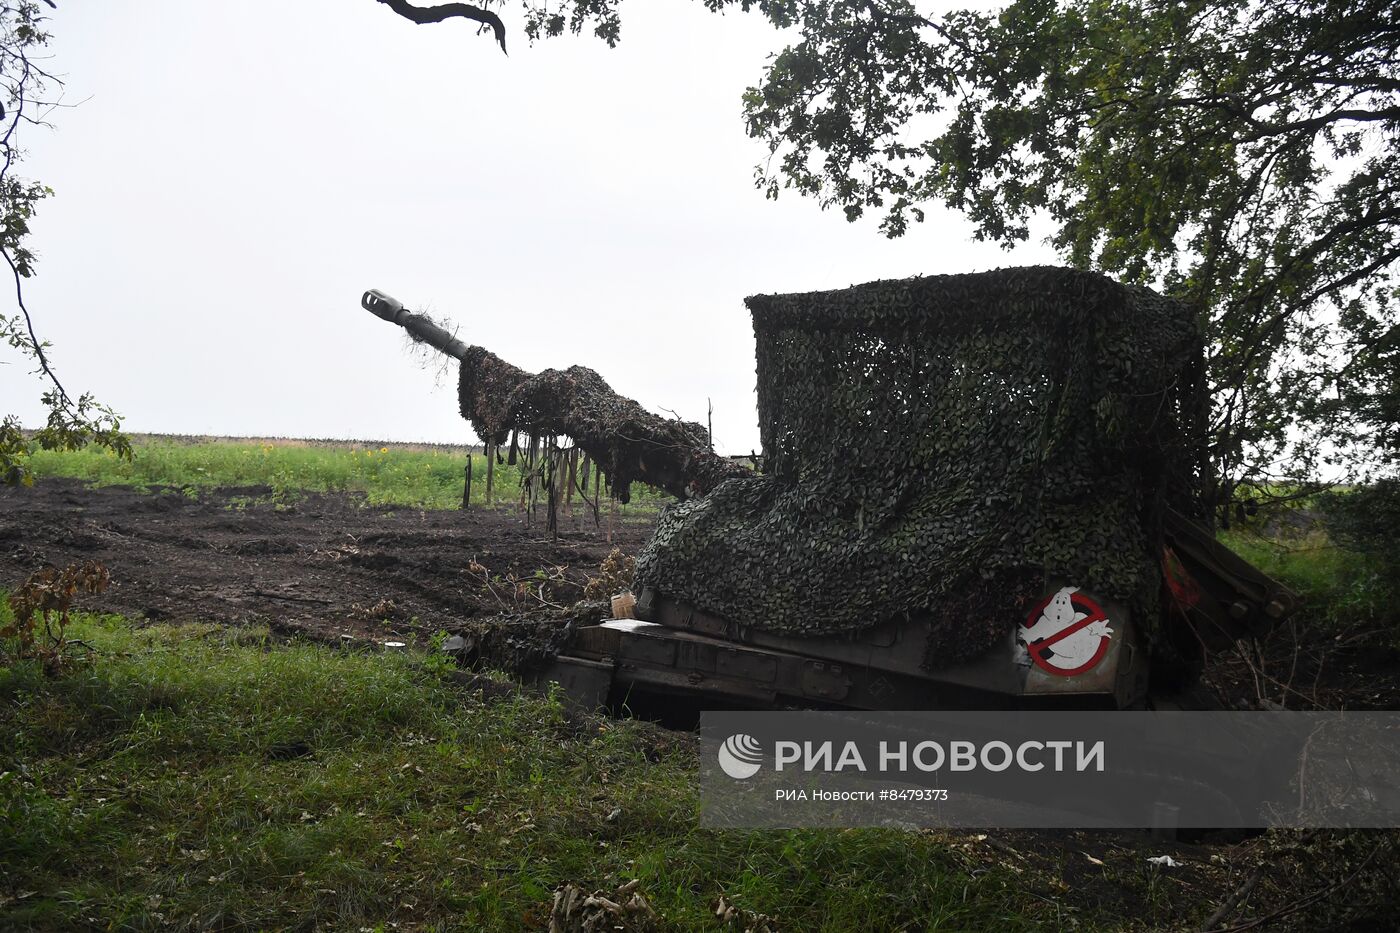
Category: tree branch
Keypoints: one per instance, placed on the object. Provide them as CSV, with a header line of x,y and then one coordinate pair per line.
x,y
34,342
1316,123
444,11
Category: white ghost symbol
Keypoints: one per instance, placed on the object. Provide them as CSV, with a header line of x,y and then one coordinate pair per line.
x,y
1076,649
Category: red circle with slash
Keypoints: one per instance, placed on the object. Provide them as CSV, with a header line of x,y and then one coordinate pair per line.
x,y
1093,613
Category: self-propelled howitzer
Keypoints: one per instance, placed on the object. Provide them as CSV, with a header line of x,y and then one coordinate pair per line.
x,y
977,490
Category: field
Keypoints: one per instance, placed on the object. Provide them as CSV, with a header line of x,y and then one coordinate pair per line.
x,y
413,475
361,541
217,754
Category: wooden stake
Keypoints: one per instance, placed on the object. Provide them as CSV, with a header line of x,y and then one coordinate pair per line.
x,y
569,481
536,469
527,478
597,491
552,484
490,475
467,489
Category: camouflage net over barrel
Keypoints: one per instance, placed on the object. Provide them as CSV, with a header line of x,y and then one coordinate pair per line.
x,y
627,442
934,445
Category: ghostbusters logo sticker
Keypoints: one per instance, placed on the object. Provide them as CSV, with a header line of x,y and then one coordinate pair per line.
x,y
1067,634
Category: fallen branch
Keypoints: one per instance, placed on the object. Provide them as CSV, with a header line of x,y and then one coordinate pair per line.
x,y
1233,901
1303,902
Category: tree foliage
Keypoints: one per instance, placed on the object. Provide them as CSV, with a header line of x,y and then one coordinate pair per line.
x,y
71,423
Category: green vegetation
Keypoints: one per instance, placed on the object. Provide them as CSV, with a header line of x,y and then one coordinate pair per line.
x,y
208,777
1337,586
386,475
1323,549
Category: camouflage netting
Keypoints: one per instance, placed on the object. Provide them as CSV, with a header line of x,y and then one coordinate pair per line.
x,y
625,440
936,447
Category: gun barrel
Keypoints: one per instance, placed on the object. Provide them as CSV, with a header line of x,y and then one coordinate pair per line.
x,y
418,326
627,442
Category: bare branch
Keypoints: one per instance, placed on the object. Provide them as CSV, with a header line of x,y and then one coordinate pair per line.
x,y
35,345
426,15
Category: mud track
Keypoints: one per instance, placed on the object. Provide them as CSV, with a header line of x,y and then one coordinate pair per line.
x,y
322,566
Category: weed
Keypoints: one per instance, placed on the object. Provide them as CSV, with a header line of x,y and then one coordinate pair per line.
x,y
40,607
614,576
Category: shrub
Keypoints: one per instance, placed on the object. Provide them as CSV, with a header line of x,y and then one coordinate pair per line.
x,y
40,609
1365,518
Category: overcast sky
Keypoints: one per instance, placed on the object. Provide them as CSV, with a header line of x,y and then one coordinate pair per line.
x,y
236,174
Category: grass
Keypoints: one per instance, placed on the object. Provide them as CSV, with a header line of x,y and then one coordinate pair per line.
x,y
403,475
1338,587
1309,564
199,777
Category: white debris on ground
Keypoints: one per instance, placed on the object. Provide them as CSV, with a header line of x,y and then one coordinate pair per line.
x,y
737,918
577,911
